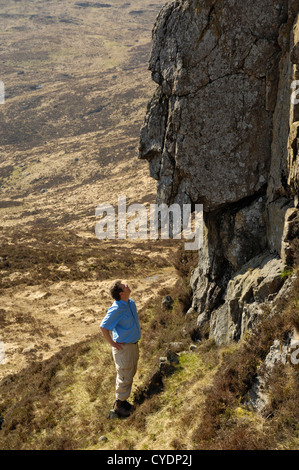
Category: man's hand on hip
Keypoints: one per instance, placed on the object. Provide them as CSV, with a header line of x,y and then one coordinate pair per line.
x,y
107,336
118,346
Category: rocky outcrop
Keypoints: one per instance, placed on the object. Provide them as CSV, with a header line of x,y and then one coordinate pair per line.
x,y
215,63
279,353
222,130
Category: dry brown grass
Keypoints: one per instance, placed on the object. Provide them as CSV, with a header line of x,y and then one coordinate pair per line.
x,y
63,403
41,259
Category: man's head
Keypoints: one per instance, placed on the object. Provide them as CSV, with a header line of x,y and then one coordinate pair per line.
x,y
120,291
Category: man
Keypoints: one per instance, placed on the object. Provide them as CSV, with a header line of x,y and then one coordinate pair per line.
x,y
122,320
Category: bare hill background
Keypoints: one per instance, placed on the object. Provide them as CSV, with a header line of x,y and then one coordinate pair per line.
x,y
77,84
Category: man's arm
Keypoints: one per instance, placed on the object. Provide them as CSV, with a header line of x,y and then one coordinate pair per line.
x,y
107,336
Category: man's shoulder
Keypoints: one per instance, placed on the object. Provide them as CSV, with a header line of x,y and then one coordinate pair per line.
x,y
117,305
121,306
112,307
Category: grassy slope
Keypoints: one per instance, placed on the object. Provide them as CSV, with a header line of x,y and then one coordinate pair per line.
x,y
63,403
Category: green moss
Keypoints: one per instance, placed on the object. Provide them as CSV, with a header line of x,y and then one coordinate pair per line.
x,y
286,273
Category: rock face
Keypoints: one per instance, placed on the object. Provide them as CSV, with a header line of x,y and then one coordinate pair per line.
x,y
222,130
215,63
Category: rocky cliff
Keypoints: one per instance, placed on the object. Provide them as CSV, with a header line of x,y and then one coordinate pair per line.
x,y
222,130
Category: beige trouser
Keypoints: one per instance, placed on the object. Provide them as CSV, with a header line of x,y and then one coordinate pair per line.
x,y
126,361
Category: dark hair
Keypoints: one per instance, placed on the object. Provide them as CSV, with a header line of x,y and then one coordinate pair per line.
x,y
115,289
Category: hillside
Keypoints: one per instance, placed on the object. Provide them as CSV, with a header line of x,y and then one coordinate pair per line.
x,y
76,85
200,402
218,126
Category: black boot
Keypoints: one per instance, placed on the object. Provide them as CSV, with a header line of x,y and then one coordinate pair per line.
x,y
121,409
127,405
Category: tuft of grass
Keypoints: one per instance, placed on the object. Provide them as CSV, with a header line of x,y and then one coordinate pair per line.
x,y
286,273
